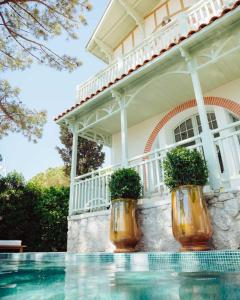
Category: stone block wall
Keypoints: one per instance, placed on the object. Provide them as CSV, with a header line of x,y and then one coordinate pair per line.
x,y
90,232
224,209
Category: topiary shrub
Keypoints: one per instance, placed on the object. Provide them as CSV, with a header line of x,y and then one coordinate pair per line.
x,y
125,183
184,167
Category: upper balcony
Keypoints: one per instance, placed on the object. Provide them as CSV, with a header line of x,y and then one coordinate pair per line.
x,y
171,33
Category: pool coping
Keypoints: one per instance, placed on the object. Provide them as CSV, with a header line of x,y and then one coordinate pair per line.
x,y
208,261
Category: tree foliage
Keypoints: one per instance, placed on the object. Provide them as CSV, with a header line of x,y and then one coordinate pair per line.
x,y
35,215
25,28
26,25
53,212
52,177
16,117
18,211
90,154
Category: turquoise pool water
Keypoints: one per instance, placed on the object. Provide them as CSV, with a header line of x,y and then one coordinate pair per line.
x,y
140,276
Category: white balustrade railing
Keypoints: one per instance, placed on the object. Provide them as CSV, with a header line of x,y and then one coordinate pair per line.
x,y
91,191
150,166
202,12
183,23
227,141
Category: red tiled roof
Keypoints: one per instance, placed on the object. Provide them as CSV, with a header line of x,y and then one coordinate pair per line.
x,y
182,38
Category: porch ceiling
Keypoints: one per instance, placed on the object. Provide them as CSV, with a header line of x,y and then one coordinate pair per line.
x,y
164,92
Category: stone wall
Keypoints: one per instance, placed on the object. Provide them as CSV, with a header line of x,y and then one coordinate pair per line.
x,y
90,232
224,210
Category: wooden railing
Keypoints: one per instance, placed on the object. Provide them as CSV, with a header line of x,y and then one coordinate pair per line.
x,y
198,14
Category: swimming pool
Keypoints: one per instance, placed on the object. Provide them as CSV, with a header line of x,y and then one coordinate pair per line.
x,y
140,276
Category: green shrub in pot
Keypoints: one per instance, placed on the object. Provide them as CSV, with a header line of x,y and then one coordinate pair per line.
x,y
185,174
125,183
125,187
184,167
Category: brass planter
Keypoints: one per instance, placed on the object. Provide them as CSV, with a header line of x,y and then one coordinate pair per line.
x,y
124,229
190,220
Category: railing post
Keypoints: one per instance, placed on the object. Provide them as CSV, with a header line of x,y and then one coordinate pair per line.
x,y
73,166
183,23
120,66
207,137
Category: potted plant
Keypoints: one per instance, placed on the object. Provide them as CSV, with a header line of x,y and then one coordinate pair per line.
x,y
125,188
185,175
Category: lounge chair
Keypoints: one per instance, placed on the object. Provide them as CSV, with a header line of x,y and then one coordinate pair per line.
x,y
11,245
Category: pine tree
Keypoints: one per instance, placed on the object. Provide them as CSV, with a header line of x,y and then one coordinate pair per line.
x,y
90,155
25,27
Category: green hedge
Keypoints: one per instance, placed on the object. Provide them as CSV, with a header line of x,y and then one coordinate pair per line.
x,y
32,214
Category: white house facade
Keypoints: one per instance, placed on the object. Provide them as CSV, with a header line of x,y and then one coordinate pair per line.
x,y
172,78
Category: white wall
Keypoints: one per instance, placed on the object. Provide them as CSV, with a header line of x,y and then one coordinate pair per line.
x,y
139,134
229,91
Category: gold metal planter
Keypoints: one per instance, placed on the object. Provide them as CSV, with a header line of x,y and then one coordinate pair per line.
x,y
124,230
190,220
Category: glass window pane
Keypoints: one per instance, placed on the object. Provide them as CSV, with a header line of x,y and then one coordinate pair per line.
x,y
212,116
190,133
198,120
235,119
177,130
177,138
214,124
199,129
183,127
189,124
184,136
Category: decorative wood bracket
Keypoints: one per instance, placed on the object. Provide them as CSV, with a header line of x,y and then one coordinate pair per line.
x,y
133,13
108,51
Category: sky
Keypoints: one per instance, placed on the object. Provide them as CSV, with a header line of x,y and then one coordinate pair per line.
x,y
43,88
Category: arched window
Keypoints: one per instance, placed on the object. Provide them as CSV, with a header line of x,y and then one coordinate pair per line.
x,y
192,127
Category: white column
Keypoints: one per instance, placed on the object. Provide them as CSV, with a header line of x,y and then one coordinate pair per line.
x,y
124,132
73,167
207,137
